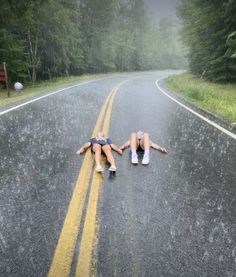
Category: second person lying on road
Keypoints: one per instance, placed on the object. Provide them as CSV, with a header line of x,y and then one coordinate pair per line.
x,y
140,142
101,144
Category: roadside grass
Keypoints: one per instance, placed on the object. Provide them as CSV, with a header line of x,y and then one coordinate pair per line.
x,y
42,87
214,98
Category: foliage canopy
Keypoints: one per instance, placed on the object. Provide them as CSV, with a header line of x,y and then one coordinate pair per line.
x,y
209,29
50,38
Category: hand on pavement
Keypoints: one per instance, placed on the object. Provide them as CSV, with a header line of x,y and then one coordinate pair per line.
x,y
80,151
163,150
120,151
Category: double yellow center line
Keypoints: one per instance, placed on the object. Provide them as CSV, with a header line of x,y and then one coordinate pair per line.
x,y
64,252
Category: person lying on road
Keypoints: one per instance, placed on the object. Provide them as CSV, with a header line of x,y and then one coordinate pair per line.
x,y
101,144
140,142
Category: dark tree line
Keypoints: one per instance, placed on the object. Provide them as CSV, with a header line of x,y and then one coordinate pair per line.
x,y
42,39
209,30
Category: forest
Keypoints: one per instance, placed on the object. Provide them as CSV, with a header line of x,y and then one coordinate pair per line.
x,y
209,31
44,39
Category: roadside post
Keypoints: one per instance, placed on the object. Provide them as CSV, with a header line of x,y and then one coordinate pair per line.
x,y
3,76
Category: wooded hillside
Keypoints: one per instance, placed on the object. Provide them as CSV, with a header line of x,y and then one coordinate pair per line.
x,y
49,38
209,30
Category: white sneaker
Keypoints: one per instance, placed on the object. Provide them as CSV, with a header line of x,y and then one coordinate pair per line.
x,y
134,158
112,168
145,159
99,168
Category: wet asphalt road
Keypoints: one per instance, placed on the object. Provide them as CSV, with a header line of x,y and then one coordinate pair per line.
x,y
174,217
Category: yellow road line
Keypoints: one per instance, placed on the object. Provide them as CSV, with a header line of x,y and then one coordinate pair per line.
x,y
63,255
87,245
85,253
98,126
106,122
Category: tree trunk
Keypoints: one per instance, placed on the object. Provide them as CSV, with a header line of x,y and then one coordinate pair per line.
x,y
34,60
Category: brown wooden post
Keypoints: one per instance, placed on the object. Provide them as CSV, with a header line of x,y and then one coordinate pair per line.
x,y
3,76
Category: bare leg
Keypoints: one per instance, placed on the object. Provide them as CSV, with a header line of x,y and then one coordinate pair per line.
x,y
107,150
145,144
97,149
133,142
133,148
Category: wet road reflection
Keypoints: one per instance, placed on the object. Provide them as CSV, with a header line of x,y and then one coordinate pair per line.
x,y
174,217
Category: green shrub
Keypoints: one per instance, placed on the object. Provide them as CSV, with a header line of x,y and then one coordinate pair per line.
x,y
218,99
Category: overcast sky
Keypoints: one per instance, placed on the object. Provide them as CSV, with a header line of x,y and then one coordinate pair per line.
x,y
160,8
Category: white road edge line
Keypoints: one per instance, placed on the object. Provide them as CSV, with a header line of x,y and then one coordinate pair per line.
x,y
232,135
46,95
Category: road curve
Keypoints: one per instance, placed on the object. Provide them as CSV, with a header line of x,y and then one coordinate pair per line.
x,y
174,217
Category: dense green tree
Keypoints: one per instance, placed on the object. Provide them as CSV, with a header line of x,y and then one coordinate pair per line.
x,y
96,19
231,43
206,27
35,41
12,50
60,49
49,38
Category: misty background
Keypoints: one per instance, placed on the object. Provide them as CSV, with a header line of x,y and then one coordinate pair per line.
x,y
41,40
158,8
44,39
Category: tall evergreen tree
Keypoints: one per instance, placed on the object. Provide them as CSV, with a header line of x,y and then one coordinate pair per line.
x,y
41,39
96,19
206,27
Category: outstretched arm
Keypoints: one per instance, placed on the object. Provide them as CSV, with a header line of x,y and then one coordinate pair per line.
x,y
125,145
115,148
83,148
158,147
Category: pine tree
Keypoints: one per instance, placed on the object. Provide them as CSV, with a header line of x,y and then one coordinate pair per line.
x,y
206,27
